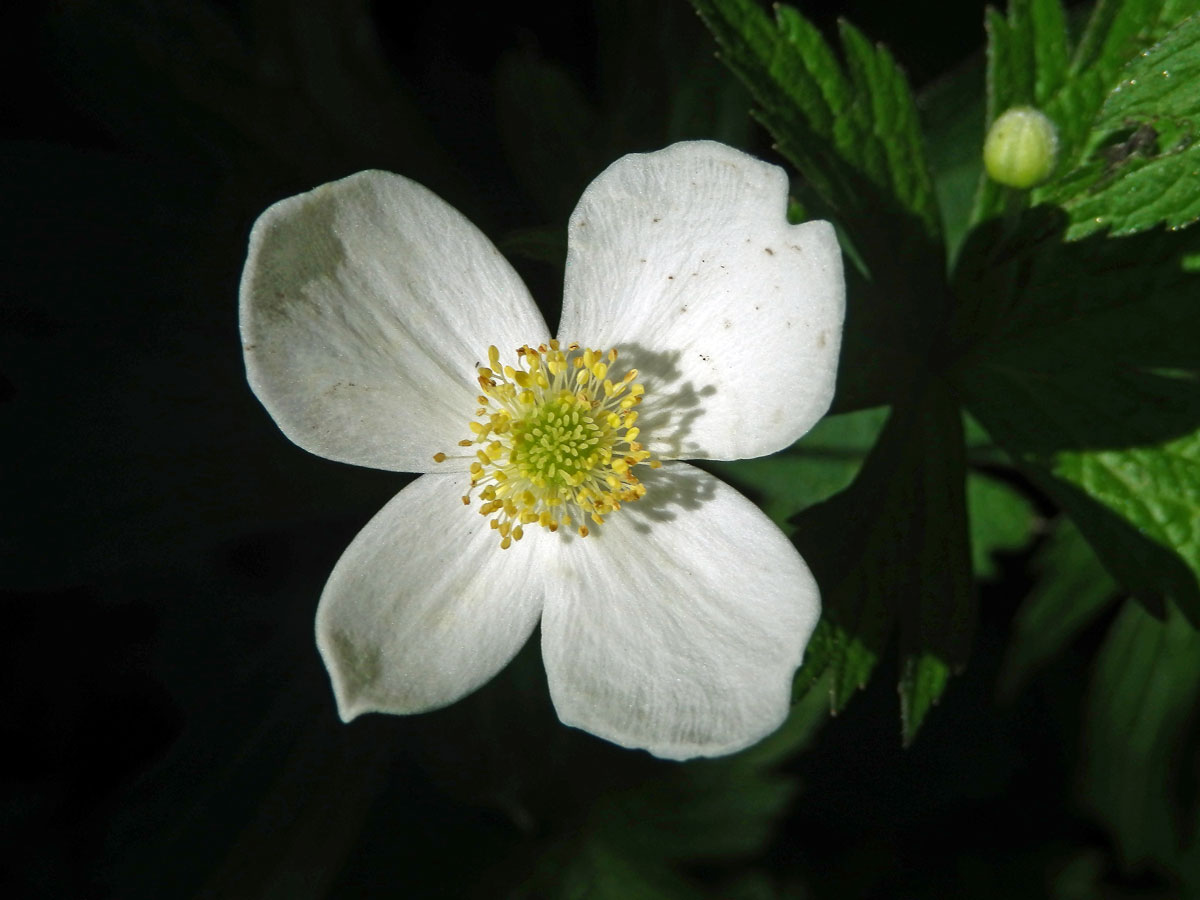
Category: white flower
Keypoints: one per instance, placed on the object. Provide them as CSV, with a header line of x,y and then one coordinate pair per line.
x,y
368,307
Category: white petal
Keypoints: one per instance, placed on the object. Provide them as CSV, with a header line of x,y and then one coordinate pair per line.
x,y
424,606
684,260
677,627
364,305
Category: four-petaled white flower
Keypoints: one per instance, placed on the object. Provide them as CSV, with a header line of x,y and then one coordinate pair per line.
x,y
381,328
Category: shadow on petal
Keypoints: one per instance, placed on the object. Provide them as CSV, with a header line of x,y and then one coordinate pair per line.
x,y
671,405
670,490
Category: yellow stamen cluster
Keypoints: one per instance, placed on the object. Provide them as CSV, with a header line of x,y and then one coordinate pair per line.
x,y
556,443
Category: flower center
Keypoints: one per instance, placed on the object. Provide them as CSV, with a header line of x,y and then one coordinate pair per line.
x,y
556,443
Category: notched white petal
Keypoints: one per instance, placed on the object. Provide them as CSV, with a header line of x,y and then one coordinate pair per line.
x,y
365,305
684,260
424,607
678,626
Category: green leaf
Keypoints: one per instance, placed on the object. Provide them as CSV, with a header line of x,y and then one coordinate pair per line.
x,y
1085,370
816,467
1139,729
1027,54
893,550
827,459
853,135
1144,157
952,118
844,130
1071,589
1001,519
1116,32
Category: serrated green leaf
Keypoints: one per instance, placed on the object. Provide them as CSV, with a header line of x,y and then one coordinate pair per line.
x,y
887,136
1085,371
1138,726
852,134
892,550
1028,54
923,679
1051,47
1155,487
1071,589
1116,32
1149,173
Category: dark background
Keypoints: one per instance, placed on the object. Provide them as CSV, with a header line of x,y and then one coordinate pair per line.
x,y
170,730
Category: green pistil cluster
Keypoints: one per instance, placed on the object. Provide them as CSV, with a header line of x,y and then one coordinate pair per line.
x,y
559,445
556,444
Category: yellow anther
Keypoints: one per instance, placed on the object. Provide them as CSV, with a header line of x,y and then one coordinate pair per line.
x,y
439,457
556,439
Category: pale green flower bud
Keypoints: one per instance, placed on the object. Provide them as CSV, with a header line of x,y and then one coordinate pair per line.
x,y
1021,147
